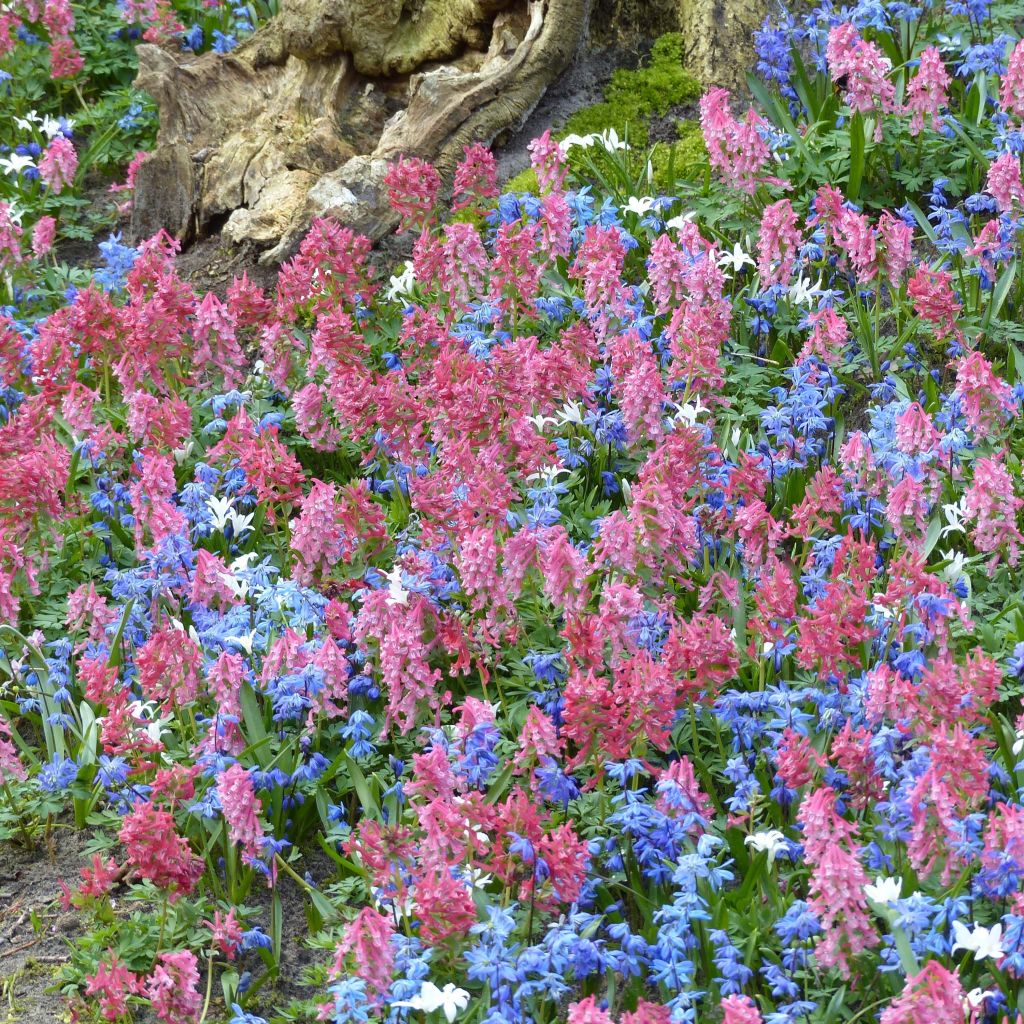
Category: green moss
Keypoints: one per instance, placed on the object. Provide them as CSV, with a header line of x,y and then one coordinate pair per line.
x,y
691,155
602,116
659,86
524,181
631,99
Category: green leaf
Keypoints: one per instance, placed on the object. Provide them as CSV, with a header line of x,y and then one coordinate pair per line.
x,y
116,650
371,807
1002,289
256,731
857,156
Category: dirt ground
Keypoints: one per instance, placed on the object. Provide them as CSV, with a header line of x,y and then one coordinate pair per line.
x,y
34,931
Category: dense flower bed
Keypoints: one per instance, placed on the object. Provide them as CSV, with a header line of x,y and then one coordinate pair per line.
x,y
615,616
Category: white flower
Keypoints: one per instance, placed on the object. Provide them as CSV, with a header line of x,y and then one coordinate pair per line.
x,y
677,222
51,127
223,512
245,642
640,205
547,476
977,996
772,842
541,422
16,163
220,510
954,514
397,594
737,259
145,712
982,942
802,292
29,121
1018,744
240,588
181,454
582,141
402,284
688,413
571,412
957,560
884,890
611,141
431,998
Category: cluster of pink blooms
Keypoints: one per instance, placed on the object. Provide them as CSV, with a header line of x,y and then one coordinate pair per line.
x,y
58,164
736,149
57,18
465,436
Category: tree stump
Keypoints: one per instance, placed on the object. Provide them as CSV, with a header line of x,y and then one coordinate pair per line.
x,y
302,119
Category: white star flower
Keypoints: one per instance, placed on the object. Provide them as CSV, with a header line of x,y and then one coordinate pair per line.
x,y
982,942
397,594
737,259
449,999
772,842
884,890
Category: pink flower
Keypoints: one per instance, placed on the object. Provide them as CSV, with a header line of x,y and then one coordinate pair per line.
x,y
368,938
65,59
113,983
837,882
735,148
987,399
739,1009
586,1011
156,850
934,300
169,665
829,335
42,236
897,240
241,810
855,236
10,234
413,186
778,243
926,93
864,69
10,764
1004,181
58,164
1011,89
548,161
991,502
225,932
332,527
932,996
173,988
476,177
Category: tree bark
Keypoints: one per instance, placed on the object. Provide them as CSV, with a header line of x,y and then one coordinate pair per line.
x,y
302,119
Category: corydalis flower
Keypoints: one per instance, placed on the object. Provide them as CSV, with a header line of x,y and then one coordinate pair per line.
x,y
157,851
735,148
926,94
241,810
932,996
58,164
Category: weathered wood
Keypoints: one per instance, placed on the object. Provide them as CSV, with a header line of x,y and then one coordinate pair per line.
x,y
301,120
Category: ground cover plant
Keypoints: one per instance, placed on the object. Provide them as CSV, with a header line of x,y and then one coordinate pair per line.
x,y
614,615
